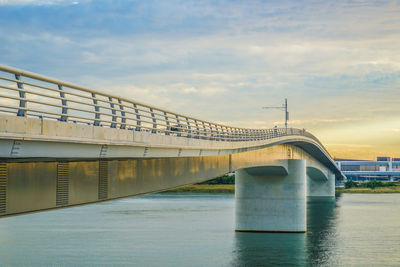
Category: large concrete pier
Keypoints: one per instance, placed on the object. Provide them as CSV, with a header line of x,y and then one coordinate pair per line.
x,y
268,201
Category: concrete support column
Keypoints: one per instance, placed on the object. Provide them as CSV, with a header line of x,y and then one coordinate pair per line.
x,y
270,202
321,188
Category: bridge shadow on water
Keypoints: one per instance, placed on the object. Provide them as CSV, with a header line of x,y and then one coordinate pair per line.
x,y
314,248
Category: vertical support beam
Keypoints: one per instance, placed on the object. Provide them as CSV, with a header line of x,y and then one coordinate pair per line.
x,y
167,124
137,117
154,130
97,110
64,111
123,120
197,129
3,187
113,112
223,131
270,202
179,129
204,131
189,132
22,103
217,133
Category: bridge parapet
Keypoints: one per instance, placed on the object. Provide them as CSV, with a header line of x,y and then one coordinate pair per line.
x,y
26,94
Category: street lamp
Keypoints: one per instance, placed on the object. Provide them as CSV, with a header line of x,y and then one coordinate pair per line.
x,y
283,107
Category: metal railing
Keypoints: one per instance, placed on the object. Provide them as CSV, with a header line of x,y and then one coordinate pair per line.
x,y
27,94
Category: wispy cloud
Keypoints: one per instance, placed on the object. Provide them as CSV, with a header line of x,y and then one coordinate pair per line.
x,y
38,2
337,62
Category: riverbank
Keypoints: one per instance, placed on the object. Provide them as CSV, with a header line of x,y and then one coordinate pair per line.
x,y
204,188
230,188
377,190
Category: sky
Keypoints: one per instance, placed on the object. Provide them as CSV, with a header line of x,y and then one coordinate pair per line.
x,y
337,62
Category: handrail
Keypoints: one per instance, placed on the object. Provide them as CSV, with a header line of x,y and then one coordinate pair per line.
x,y
28,94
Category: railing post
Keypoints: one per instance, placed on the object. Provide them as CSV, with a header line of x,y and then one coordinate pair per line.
x,y
97,110
123,120
197,129
189,132
154,121
178,125
217,136
137,117
64,111
22,103
114,118
167,123
222,133
204,131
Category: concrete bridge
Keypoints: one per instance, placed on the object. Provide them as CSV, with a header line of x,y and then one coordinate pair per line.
x,y
63,145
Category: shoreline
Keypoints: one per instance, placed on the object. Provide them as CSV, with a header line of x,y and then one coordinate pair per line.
x,y
230,189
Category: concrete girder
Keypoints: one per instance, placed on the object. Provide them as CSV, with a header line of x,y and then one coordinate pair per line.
x,y
317,174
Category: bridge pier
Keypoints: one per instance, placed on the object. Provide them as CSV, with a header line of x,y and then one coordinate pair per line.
x,y
321,187
270,201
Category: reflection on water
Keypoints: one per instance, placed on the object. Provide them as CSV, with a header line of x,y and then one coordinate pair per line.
x,y
275,249
198,230
321,234
292,249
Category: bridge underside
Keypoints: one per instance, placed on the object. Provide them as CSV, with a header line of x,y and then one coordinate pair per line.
x,y
32,185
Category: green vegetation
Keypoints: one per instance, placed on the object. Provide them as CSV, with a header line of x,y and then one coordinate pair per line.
x,y
226,179
226,184
205,188
371,184
376,190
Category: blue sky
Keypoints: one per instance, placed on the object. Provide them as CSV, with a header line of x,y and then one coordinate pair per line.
x,y
337,62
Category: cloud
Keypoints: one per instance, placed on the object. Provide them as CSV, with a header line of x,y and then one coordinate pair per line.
x,y
336,62
37,2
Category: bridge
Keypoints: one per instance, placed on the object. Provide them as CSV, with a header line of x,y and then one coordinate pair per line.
x,y
63,145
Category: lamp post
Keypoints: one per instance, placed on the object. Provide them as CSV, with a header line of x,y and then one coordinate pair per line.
x,y
284,107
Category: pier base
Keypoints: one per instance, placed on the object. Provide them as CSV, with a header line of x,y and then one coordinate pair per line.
x,y
267,202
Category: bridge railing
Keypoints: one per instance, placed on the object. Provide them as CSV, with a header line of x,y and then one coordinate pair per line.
x,y
27,94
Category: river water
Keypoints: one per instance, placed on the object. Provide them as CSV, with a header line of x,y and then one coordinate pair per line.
x,y
184,229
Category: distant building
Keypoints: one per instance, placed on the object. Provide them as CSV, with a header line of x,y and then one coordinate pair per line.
x,y
384,168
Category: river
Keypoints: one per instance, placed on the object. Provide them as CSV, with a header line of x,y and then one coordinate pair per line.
x,y
182,229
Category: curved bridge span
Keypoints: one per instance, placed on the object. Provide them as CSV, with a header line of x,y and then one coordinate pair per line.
x,y
63,145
